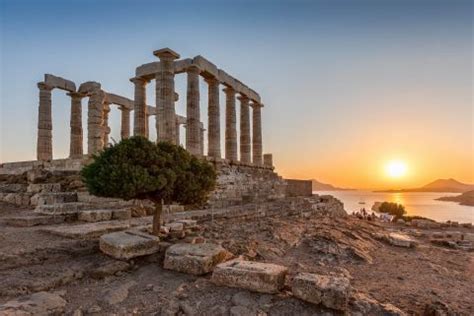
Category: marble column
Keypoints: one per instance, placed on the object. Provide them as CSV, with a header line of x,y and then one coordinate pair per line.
x,y
105,124
244,130
165,95
230,125
44,146
177,133
140,108
125,123
214,130
95,118
257,134
201,140
193,115
268,160
75,145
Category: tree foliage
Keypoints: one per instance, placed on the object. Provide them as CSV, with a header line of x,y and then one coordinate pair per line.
x,y
397,210
136,168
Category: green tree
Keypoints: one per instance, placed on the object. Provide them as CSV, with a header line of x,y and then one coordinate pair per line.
x,y
137,168
397,210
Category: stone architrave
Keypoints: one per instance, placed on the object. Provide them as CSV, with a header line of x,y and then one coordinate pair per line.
x,y
245,146
214,126
193,118
105,124
75,146
230,125
165,95
95,118
140,107
257,134
44,148
125,123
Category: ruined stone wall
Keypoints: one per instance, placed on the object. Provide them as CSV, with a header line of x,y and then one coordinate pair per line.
x,y
240,184
297,187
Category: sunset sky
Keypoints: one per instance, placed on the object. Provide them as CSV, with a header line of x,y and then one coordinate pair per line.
x,y
348,86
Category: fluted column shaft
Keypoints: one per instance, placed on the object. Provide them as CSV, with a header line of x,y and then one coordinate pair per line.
x,y
244,130
257,134
193,113
165,122
105,124
140,108
95,120
201,140
230,125
125,123
177,134
75,145
44,146
214,126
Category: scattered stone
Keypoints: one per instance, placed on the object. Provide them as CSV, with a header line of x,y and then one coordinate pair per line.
x,y
110,268
41,303
249,275
118,294
194,259
332,292
129,244
175,227
401,240
188,223
361,304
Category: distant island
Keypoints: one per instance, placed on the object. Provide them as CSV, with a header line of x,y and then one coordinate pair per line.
x,y
440,185
467,198
320,186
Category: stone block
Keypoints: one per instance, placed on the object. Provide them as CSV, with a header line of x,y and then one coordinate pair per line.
x,y
401,240
55,198
89,230
188,223
129,244
207,68
122,214
196,259
60,209
250,275
44,187
119,100
28,221
332,292
226,79
175,227
88,87
59,83
147,70
95,215
181,65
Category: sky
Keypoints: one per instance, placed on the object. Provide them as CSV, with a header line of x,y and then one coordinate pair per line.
x,y
347,85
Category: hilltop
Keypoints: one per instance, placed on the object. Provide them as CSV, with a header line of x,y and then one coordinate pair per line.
x,y
467,198
439,185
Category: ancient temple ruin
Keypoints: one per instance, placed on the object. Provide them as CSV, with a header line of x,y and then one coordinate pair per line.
x,y
167,121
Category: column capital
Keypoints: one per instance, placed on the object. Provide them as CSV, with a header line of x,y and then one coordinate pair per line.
x,y
76,95
255,104
211,80
125,109
139,80
44,86
193,69
243,98
229,90
166,53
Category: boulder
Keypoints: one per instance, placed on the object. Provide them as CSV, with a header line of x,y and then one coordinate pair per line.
x,y
330,291
129,244
41,303
401,240
249,275
194,259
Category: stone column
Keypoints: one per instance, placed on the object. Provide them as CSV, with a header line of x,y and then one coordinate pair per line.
x,y
125,123
257,134
147,125
214,129
230,125
165,95
201,140
105,124
44,145
95,118
193,115
177,133
140,108
268,160
75,145
244,130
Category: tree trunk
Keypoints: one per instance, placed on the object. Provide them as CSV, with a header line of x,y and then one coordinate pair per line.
x,y
157,218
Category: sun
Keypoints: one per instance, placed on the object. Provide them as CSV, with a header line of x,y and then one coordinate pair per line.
x,y
396,169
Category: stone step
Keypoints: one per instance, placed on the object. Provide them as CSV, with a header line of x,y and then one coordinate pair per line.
x,y
55,198
89,230
104,215
75,207
44,187
129,244
34,220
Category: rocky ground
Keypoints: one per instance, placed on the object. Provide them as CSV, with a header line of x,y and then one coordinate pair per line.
x,y
73,277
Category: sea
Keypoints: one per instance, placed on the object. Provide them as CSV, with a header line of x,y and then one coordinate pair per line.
x,y
416,203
